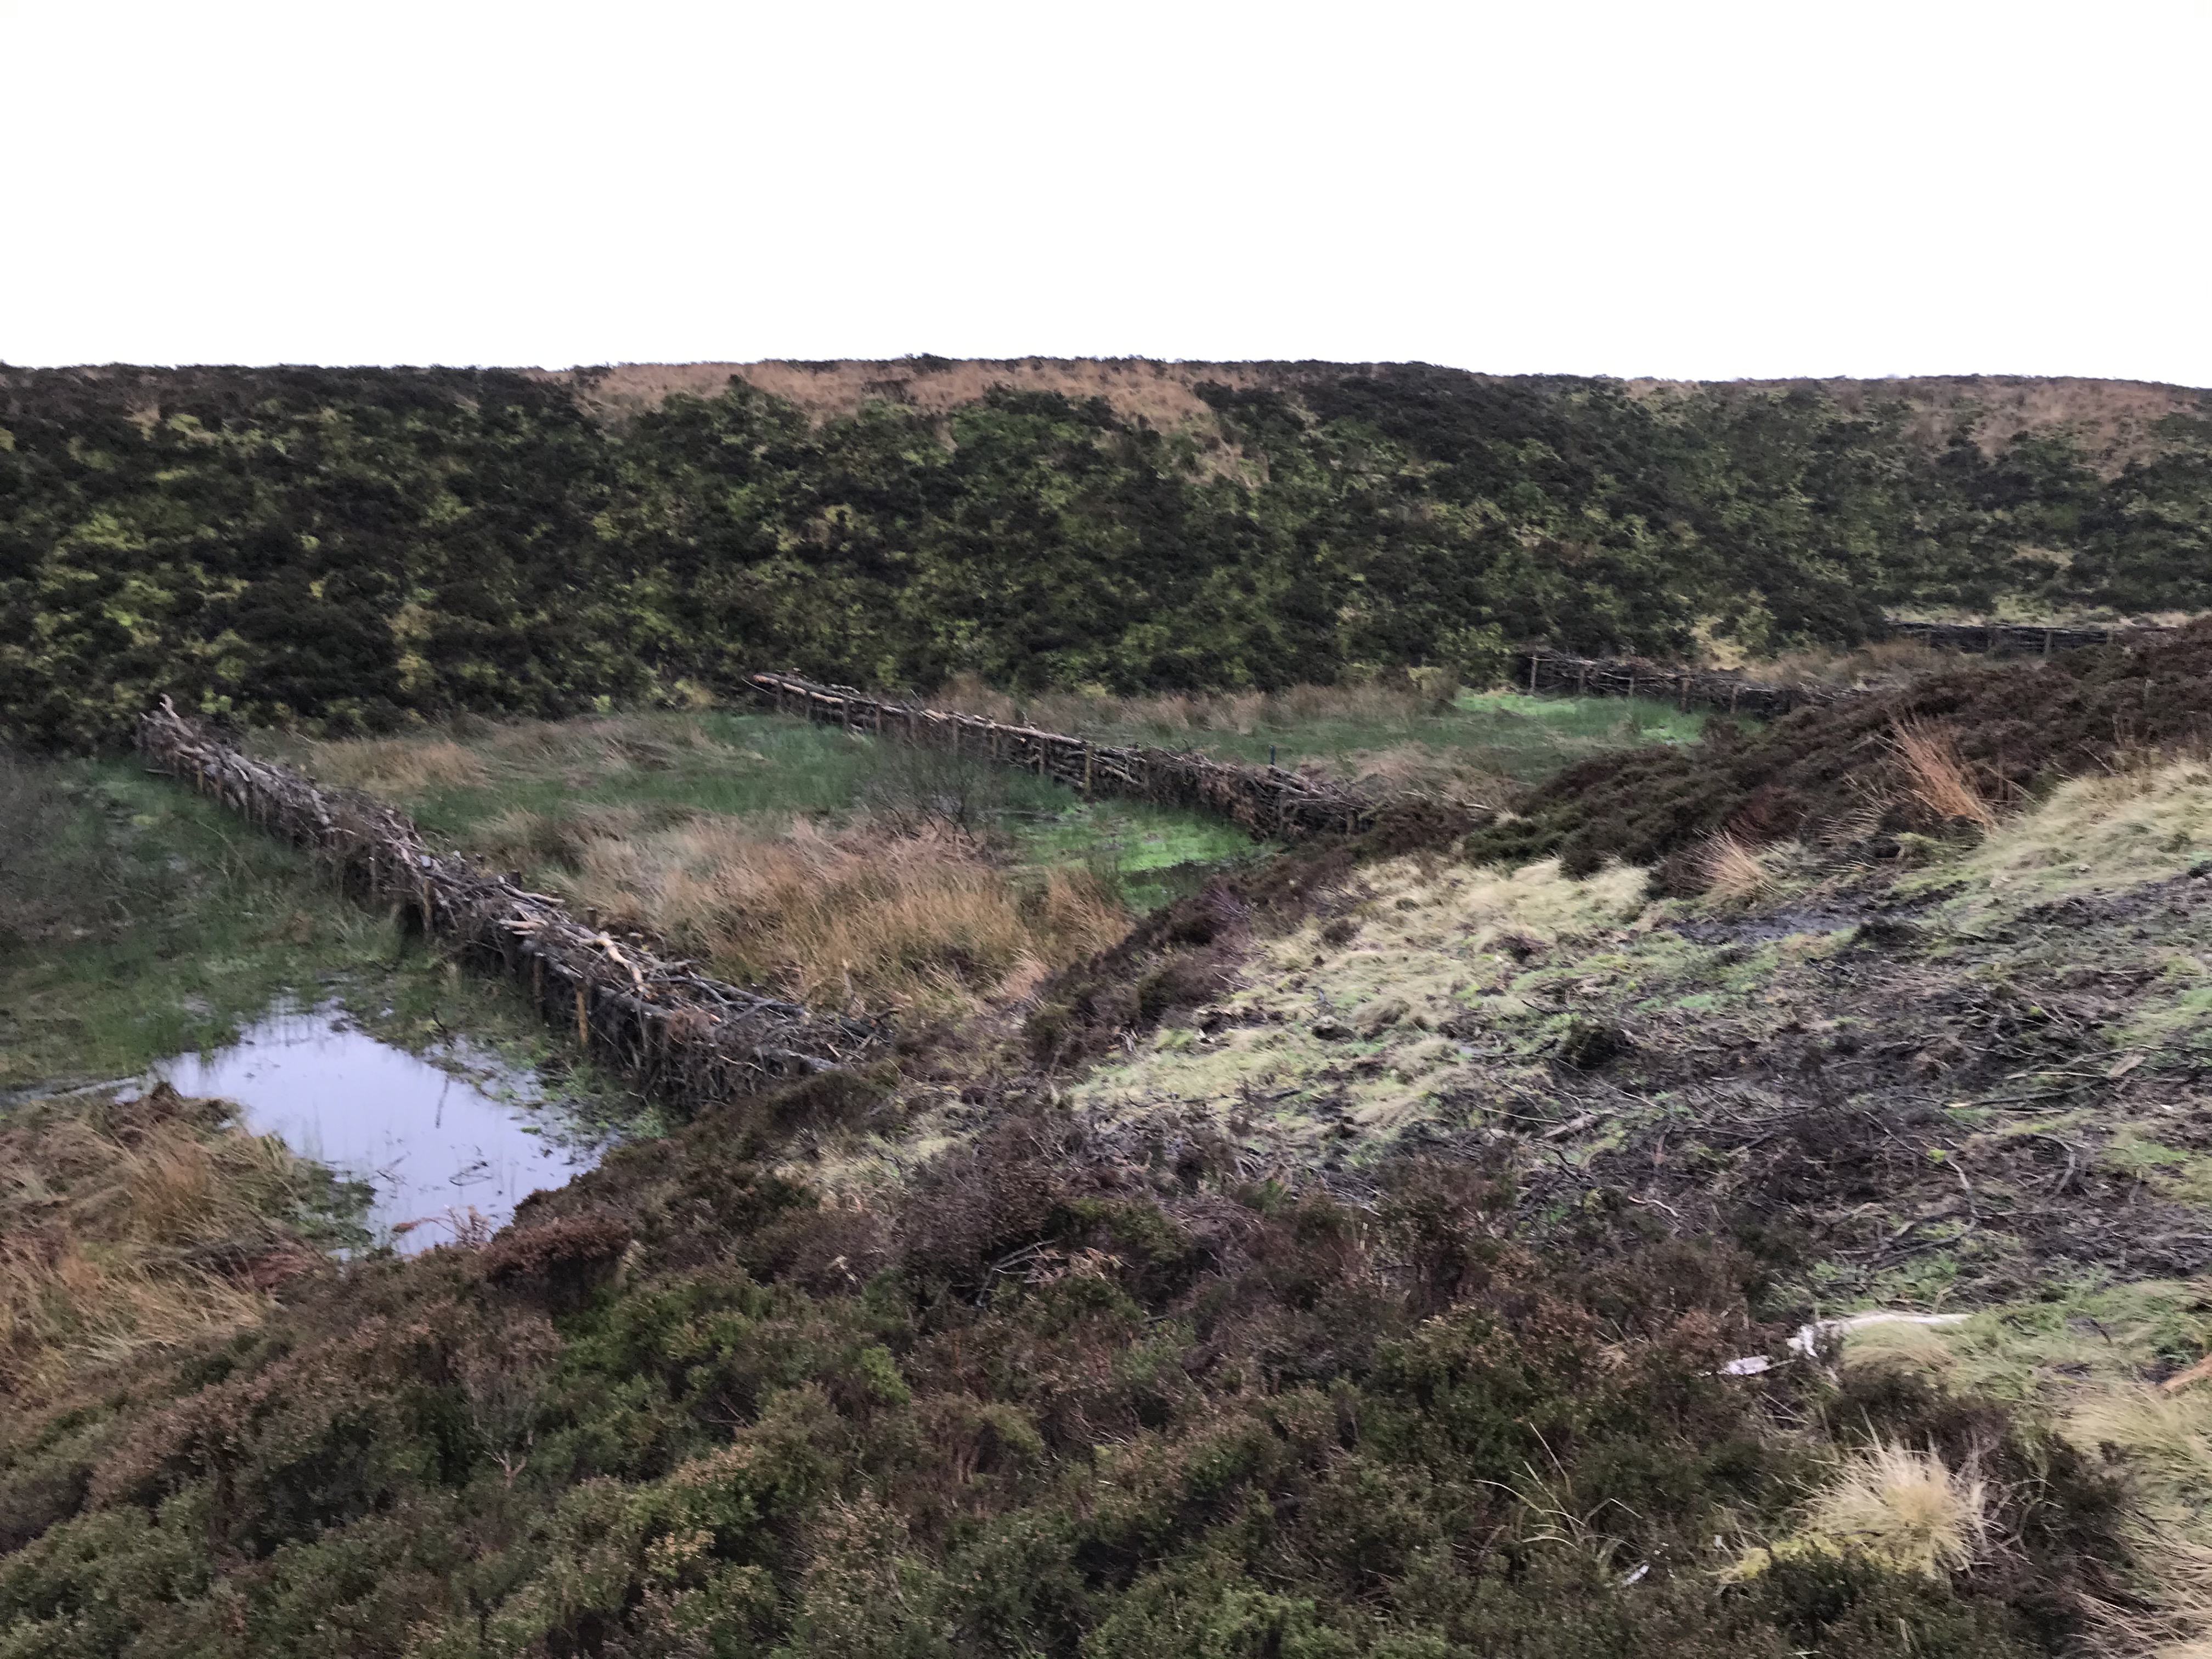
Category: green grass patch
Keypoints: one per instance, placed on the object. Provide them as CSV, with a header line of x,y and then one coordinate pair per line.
x,y
768,769
1505,734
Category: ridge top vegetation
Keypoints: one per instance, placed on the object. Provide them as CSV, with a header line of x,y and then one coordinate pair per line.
x,y
354,550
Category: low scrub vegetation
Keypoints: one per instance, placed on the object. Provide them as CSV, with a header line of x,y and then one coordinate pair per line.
x,y
1048,1401
357,549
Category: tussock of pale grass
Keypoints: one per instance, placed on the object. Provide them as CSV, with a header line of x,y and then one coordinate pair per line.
x,y
2165,1439
132,1226
1905,1507
402,766
860,919
1733,873
1935,776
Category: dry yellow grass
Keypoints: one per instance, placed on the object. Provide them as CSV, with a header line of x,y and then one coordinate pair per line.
x,y
2087,1374
114,1219
2167,1439
396,765
1732,871
2146,819
1904,1506
860,919
1935,776
1413,768
483,754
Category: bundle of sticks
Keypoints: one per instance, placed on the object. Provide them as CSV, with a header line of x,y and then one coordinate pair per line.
x,y
688,1039
1725,689
2022,639
1271,802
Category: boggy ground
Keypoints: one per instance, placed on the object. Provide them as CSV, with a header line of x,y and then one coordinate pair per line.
x,y
1973,1077
1378,1253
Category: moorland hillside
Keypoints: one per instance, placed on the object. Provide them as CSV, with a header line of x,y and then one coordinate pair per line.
x,y
347,549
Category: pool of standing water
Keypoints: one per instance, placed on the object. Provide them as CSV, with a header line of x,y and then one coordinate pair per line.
x,y
435,1146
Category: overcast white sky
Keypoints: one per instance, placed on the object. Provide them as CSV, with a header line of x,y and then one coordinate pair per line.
x,y
1698,190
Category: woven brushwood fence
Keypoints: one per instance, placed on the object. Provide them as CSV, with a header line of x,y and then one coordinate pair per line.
x,y
2018,639
1271,802
1686,687
1729,692
689,1040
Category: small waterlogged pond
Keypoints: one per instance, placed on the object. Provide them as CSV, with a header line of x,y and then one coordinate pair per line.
x,y
432,1145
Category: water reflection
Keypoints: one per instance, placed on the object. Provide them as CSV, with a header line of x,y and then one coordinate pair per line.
x,y
435,1147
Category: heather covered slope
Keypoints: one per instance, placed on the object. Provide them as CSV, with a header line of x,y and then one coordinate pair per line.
x,y
352,548
2015,729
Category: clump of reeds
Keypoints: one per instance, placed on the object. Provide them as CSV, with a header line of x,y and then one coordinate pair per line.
x,y
1935,776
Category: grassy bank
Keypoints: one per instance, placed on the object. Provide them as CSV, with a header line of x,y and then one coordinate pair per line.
x,y
1053,1398
1405,731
